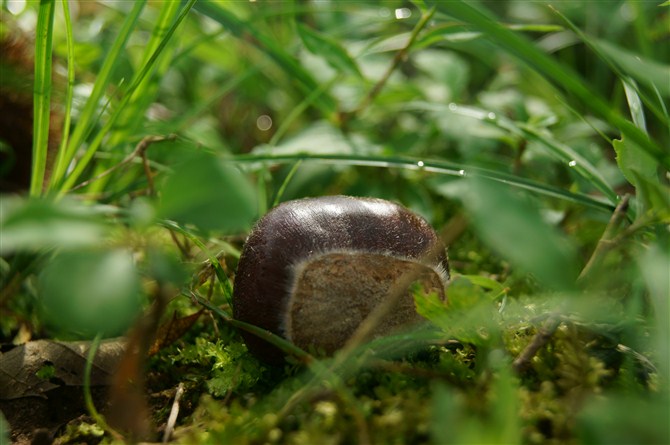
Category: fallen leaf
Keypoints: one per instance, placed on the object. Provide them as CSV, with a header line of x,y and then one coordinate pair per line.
x,y
36,367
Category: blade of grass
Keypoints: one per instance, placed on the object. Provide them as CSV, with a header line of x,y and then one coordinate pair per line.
x,y
634,103
565,153
89,113
145,91
286,182
559,74
629,66
300,108
146,69
59,164
283,344
433,166
42,95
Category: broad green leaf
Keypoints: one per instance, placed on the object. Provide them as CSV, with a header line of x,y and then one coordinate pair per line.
x,y
486,283
634,162
515,229
328,48
209,193
83,293
41,224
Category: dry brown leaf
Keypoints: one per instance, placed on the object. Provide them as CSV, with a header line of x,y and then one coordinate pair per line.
x,y
172,330
19,367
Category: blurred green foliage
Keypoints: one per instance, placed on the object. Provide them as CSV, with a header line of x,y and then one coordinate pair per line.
x,y
516,128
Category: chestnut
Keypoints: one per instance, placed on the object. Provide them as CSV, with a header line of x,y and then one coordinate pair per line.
x,y
313,269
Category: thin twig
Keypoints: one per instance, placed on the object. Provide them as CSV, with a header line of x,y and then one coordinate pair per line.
x,y
139,150
605,243
174,412
540,339
399,57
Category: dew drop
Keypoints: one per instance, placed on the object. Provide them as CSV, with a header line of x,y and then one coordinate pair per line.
x,y
491,115
461,172
420,164
16,7
453,106
264,122
402,13
572,163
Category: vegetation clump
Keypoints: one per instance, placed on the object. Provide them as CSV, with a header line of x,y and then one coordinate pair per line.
x,y
532,137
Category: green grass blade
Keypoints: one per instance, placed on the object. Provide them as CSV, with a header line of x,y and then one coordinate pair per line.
x,y
561,75
59,165
90,112
144,93
434,166
42,94
146,69
628,66
562,151
635,104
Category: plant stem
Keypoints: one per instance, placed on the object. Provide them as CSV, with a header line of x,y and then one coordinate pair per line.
x,y
605,243
400,56
88,399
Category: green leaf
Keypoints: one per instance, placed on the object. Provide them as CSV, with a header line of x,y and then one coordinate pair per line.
x,y
632,161
515,229
41,224
209,193
330,49
83,293
485,282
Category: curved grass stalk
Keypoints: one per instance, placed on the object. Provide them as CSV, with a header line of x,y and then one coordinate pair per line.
x,y
433,166
146,69
59,164
89,113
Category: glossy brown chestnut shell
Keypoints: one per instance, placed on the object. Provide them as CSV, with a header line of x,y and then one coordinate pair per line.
x,y
312,269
